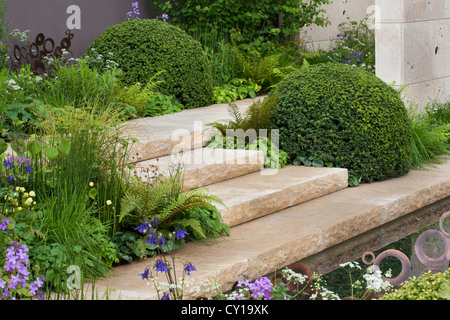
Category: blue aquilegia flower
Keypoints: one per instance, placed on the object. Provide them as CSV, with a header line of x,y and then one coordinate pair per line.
x,y
145,274
144,227
165,296
160,266
180,234
189,267
152,239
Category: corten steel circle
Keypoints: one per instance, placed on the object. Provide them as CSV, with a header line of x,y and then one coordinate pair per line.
x,y
34,51
406,266
441,224
423,258
364,260
40,38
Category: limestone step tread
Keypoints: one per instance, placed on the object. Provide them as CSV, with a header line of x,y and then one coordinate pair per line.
x,y
298,232
204,166
173,133
261,193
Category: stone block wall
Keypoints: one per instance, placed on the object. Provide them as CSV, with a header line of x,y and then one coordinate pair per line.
x,y
337,11
413,48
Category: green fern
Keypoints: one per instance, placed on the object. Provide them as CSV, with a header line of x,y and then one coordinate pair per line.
x,y
255,67
256,117
164,199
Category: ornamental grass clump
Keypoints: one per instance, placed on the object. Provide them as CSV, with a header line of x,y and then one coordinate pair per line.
x,y
344,116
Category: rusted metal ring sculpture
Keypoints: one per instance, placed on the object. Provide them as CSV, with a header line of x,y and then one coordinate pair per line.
x,y
35,52
431,263
406,265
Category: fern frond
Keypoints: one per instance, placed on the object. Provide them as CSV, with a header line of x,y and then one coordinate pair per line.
x,y
131,203
235,113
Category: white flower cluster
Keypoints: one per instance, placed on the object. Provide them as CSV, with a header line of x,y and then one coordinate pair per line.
x,y
374,279
293,277
12,84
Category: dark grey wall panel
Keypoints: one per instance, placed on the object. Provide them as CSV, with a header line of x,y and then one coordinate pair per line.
x,y
50,17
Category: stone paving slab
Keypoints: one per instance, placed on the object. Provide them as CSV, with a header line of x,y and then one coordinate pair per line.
x,y
205,166
261,193
298,232
173,133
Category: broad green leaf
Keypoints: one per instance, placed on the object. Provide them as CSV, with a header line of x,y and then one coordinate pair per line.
x,y
93,193
18,145
64,147
34,147
51,153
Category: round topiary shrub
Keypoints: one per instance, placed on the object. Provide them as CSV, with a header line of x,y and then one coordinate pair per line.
x,y
345,116
143,48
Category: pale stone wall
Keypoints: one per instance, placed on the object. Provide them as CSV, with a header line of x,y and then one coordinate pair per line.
x,y
337,11
413,47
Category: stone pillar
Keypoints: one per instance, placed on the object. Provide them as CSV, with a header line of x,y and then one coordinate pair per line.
x,y
413,48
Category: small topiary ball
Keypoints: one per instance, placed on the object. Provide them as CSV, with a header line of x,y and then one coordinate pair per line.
x,y
142,48
346,116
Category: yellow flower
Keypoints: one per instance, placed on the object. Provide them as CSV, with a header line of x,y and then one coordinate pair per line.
x,y
29,201
91,184
32,194
108,202
19,209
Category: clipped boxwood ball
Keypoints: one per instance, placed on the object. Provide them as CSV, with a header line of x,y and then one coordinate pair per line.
x,y
142,48
346,116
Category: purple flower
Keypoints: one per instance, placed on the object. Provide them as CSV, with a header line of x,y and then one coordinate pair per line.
x,y
165,17
143,228
260,288
21,160
11,179
189,267
145,274
180,234
165,296
161,266
152,239
6,163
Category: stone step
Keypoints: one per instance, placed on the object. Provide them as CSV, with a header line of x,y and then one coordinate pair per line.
x,y
204,166
261,193
297,232
173,133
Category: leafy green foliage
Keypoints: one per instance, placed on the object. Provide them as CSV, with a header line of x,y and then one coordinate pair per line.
x,y
248,23
346,116
354,45
4,31
165,200
250,131
144,48
428,286
236,89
